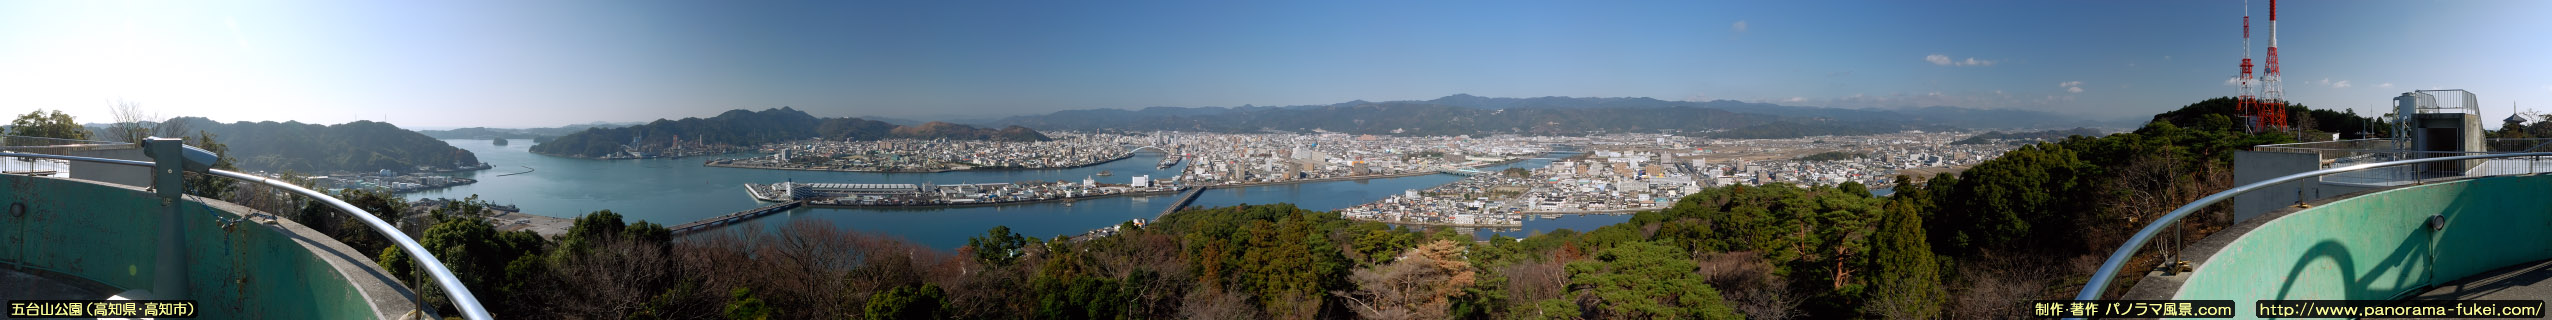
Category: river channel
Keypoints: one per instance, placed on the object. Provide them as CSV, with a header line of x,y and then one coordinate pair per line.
x,y
674,191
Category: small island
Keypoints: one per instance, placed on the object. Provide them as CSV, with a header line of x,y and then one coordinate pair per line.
x,y
500,141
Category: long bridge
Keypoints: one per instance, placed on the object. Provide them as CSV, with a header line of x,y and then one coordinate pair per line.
x,y
1462,171
732,218
1186,197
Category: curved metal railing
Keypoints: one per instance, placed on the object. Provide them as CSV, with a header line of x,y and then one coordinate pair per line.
x,y
461,297
2100,280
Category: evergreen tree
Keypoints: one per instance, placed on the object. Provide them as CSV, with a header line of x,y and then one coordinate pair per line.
x,y
1906,284
56,125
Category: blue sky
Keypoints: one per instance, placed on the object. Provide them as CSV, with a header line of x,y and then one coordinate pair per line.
x,y
547,63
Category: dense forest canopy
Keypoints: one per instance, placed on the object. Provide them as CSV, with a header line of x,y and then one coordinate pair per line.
x,y
748,128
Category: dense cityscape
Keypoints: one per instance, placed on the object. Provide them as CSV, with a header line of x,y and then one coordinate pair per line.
x,y
1627,173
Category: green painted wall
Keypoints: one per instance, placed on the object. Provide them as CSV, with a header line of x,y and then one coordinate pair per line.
x,y
109,234
2378,246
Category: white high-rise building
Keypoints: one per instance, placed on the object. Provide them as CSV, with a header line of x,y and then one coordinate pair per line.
x,y
1143,181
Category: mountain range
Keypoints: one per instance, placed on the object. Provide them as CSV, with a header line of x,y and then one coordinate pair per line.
x,y
747,128
524,133
1468,114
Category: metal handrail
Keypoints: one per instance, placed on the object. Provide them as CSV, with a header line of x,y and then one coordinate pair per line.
x,y
2100,280
451,284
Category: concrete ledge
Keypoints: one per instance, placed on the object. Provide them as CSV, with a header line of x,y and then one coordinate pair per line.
x,y
2374,244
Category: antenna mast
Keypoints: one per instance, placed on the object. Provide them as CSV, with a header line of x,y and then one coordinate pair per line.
x,y
2274,88
2246,104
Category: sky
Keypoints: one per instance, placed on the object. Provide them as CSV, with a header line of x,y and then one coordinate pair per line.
x,y
442,64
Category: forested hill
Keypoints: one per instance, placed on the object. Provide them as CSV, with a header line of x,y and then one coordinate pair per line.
x,y
1466,114
524,133
746,128
361,146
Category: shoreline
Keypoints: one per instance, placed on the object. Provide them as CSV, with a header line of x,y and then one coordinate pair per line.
x,y
983,204
1138,193
713,163
1518,225
1353,178
1588,212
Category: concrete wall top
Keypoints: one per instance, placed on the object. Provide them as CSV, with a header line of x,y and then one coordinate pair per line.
x,y
258,268
2374,245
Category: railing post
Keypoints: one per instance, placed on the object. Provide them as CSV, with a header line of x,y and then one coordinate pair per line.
x,y
168,279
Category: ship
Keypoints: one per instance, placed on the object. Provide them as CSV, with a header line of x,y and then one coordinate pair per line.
x,y
1104,173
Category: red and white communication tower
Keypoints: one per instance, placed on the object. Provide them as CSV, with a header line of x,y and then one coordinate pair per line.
x,y
2245,104
2273,87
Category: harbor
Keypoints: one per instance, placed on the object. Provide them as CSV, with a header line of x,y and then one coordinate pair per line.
x,y
675,191
930,194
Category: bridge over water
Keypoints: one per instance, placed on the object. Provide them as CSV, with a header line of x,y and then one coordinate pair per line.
x,y
732,218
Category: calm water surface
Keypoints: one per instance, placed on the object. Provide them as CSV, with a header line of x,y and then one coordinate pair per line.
x,y
675,191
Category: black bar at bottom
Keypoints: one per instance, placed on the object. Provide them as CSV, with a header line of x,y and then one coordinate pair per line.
x,y
2132,308
2400,309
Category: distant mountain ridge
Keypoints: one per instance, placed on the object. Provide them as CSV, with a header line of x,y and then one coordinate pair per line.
x,y
1468,114
360,146
747,128
516,133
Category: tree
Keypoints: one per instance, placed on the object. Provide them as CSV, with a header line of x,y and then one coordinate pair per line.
x,y
56,125
998,246
1646,281
1906,280
908,302
131,122
205,185
746,306
1420,286
480,255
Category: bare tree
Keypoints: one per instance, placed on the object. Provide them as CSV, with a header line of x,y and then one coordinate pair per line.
x,y
1536,280
1419,285
131,122
1747,282
615,280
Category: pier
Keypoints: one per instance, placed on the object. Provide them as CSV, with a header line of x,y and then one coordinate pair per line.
x,y
526,169
1185,198
732,218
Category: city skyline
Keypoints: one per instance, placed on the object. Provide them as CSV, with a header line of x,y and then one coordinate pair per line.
x,y
548,64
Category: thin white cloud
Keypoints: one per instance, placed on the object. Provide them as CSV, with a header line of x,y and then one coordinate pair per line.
x,y
2388,85
1797,99
2071,86
1945,60
2073,89
2340,84
235,36
1739,27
